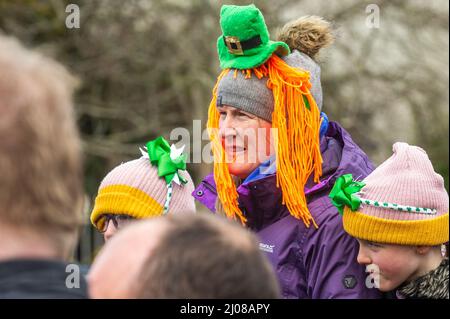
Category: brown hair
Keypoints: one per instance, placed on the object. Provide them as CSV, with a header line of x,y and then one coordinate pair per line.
x,y
40,163
207,257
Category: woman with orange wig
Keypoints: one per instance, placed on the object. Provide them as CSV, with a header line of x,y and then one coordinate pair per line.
x,y
276,156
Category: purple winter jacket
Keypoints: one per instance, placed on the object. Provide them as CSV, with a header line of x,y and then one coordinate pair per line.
x,y
310,263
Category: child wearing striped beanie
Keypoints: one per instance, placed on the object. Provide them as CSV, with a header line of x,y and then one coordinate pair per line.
x,y
399,215
153,185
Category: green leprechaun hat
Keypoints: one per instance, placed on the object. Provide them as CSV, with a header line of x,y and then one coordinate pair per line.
x,y
245,41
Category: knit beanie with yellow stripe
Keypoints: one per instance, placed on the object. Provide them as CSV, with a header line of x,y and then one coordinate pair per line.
x,y
279,82
134,188
401,202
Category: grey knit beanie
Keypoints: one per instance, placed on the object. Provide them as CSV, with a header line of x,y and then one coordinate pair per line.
x,y
307,34
253,96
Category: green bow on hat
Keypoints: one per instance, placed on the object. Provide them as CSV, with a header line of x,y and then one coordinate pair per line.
x,y
245,41
343,193
167,160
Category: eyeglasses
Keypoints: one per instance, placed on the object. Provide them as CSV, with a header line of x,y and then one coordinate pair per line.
x,y
118,221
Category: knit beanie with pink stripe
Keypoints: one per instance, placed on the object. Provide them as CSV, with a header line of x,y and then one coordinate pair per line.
x,y
408,179
135,189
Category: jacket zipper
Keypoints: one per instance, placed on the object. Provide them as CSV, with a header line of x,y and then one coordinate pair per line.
x,y
209,187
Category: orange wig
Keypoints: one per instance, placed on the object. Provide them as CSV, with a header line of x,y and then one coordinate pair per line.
x,y
296,119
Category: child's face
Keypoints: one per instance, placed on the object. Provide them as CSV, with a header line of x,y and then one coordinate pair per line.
x,y
396,264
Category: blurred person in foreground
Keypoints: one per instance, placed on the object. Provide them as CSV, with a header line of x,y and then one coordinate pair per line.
x,y
203,256
41,193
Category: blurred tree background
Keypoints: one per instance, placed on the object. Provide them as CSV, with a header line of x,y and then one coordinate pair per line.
x,y
148,66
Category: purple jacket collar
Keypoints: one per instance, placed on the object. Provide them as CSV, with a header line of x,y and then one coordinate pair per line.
x,y
261,200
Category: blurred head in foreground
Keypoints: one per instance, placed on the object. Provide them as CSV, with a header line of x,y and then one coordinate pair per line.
x,y
40,162
204,256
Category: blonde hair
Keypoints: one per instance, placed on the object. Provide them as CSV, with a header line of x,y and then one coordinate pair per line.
x,y
40,159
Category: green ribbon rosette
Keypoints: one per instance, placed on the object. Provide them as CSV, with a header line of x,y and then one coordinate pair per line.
x,y
169,160
343,193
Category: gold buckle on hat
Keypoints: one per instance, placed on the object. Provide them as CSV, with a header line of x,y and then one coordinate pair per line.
x,y
234,45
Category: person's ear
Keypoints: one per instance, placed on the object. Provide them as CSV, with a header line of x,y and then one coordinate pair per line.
x,y
422,250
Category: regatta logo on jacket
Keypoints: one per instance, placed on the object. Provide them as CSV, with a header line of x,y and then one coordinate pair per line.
x,y
266,247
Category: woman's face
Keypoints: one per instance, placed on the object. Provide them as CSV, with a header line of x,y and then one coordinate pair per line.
x,y
246,138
